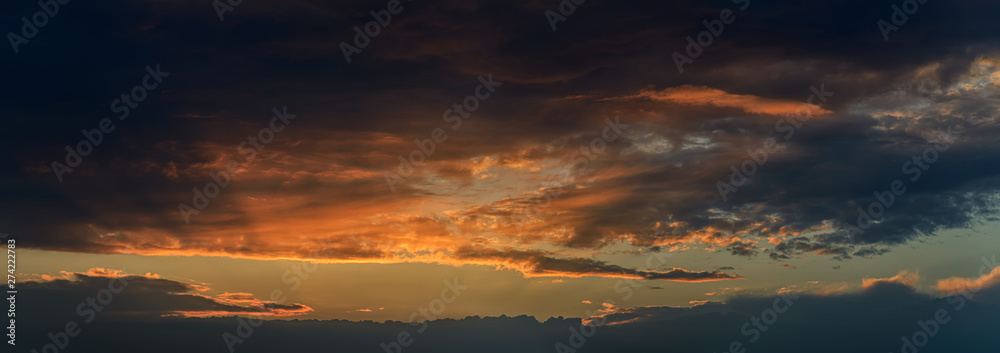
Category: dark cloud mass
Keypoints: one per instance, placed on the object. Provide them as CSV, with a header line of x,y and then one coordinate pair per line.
x,y
656,185
146,297
536,263
872,320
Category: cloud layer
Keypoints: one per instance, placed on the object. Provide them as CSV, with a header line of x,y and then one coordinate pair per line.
x,y
521,182
882,313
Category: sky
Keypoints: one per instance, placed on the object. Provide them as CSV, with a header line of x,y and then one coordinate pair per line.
x,y
466,172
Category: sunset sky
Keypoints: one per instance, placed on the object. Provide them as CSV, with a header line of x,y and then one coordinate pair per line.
x,y
667,166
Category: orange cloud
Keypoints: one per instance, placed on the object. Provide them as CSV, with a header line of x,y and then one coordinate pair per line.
x,y
93,272
904,277
262,311
707,96
954,285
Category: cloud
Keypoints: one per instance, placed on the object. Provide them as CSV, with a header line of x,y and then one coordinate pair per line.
x,y
149,296
701,95
538,264
882,313
904,277
955,285
655,185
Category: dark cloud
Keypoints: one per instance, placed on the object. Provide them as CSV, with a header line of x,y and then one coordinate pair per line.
x,y
657,182
882,314
118,296
538,263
